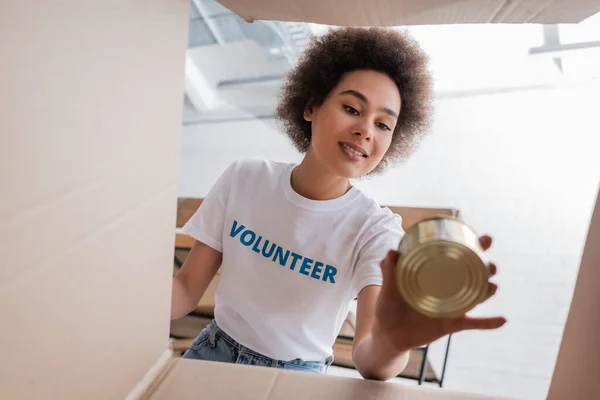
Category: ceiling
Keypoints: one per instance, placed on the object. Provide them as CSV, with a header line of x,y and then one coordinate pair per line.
x,y
234,68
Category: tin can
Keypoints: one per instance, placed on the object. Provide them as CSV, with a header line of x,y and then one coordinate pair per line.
x,y
442,271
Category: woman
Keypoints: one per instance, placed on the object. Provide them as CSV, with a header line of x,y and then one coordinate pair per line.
x,y
296,244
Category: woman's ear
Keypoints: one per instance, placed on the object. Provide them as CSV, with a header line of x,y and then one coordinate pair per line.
x,y
308,112
307,115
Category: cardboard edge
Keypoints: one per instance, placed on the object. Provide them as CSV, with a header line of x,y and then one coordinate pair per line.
x,y
153,377
568,378
272,384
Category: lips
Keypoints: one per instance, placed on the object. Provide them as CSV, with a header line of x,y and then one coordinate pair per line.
x,y
354,149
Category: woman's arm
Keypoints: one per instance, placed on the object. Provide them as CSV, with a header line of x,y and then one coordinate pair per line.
x,y
373,358
387,328
191,281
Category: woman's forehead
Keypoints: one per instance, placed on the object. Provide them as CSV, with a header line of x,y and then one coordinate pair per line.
x,y
377,88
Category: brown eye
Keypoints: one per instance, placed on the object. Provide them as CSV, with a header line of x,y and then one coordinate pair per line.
x,y
383,126
351,110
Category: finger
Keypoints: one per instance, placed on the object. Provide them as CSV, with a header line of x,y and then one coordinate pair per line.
x,y
493,269
485,241
492,289
471,323
485,323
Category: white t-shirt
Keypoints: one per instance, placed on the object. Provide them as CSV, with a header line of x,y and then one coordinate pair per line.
x,y
291,266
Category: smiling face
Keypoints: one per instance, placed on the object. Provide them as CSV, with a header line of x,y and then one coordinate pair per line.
x,y
353,128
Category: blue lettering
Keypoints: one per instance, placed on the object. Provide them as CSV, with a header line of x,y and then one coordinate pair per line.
x,y
279,252
265,245
246,234
316,270
296,257
306,264
234,230
255,247
330,272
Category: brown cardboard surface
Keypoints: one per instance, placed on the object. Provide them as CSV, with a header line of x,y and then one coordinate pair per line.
x,y
415,12
89,130
577,367
189,379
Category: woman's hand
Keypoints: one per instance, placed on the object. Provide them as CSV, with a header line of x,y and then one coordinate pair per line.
x,y
402,328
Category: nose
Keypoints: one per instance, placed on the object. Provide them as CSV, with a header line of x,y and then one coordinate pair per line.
x,y
363,130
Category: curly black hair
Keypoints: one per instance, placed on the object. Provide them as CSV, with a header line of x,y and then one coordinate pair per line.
x,y
328,57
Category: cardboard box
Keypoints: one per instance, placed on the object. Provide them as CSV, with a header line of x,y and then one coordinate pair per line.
x,y
186,379
90,121
415,12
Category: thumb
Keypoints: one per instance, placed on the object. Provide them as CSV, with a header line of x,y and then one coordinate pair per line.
x,y
388,270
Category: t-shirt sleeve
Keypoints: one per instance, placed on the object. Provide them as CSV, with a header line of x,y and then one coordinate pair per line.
x,y
382,237
206,225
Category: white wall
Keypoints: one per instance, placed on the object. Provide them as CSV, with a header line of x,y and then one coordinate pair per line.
x,y
521,166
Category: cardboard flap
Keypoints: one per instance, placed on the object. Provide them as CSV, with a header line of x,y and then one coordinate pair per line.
x,y
193,379
189,379
578,364
414,12
88,166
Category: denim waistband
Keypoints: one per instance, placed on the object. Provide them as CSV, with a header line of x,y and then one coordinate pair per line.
x,y
214,329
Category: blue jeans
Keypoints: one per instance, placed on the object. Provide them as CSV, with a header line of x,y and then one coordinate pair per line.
x,y
213,344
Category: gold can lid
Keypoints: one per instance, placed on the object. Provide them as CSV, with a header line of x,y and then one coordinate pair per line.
x,y
442,279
